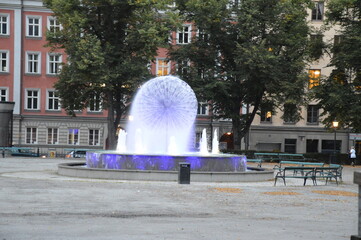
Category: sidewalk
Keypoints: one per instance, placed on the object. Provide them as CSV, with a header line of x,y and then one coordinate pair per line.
x,y
36,203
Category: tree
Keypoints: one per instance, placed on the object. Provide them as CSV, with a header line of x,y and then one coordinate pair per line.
x,y
109,45
340,94
250,52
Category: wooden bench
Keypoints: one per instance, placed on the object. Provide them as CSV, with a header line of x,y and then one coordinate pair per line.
x,y
258,161
313,173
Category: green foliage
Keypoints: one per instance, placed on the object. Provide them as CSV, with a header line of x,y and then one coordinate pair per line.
x,y
340,94
249,53
108,44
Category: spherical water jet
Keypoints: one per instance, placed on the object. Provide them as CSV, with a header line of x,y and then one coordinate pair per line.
x,y
164,107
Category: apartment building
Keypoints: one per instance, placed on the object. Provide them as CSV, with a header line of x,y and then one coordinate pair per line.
x,y
28,71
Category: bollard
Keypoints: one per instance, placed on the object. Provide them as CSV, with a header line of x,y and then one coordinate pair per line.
x,y
357,180
184,174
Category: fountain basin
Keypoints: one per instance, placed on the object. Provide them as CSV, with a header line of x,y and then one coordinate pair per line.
x,y
79,170
198,162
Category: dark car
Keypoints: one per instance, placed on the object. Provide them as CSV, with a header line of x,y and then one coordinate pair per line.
x,y
76,154
23,152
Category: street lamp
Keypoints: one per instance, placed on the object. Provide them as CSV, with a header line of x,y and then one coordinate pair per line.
x,y
335,126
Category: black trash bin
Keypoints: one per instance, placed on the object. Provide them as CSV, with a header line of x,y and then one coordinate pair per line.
x,y
184,174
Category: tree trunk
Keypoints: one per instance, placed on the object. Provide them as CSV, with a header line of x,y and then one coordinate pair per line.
x,y
111,139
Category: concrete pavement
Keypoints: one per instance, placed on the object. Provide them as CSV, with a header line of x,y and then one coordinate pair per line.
x,y
36,203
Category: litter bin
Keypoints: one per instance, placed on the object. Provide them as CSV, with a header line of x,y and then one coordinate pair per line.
x,y
184,175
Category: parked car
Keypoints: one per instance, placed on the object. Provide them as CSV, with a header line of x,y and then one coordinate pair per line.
x,y
23,152
76,154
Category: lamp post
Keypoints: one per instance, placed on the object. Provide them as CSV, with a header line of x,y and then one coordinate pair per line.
x,y
334,125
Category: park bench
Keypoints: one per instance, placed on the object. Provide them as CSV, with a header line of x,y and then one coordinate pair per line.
x,y
277,157
258,161
281,164
313,173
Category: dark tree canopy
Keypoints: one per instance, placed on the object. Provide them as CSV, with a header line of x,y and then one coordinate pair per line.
x,y
340,94
252,52
109,44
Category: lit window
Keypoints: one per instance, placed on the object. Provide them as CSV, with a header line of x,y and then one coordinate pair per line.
x,y
53,24
317,11
266,115
184,35
52,136
73,136
314,78
54,63
32,100
33,62
33,28
93,137
4,24
53,100
31,135
4,61
163,67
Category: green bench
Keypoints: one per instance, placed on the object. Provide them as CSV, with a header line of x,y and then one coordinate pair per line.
x,y
313,173
277,157
298,164
258,161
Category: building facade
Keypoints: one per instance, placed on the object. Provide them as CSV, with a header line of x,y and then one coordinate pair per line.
x,y
28,71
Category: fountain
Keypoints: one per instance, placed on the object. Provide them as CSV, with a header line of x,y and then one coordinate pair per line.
x,y
159,138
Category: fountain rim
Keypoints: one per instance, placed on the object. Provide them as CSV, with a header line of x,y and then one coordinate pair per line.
x,y
188,154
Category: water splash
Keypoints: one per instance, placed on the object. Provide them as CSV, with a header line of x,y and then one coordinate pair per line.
x,y
121,146
164,107
203,146
215,143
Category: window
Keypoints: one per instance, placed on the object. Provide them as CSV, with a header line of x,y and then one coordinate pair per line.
x,y
316,46
53,24
182,68
184,35
93,137
95,104
202,108
312,146
73,136
290,113
4,61
32,100
290,145
54,63
202,35
31,135
163,67
3,94
328,146
33,62
317,11
33,28
314,78
266,115
53,100
312,114
4,25
52,136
